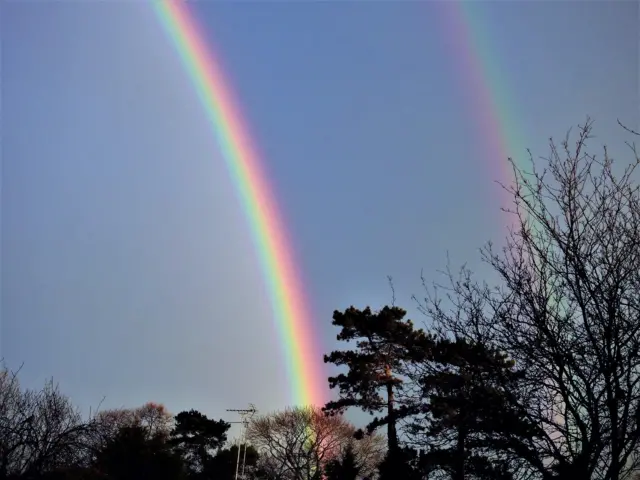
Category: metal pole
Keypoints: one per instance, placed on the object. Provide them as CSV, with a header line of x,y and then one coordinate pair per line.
x,y
239,447
242,439
244,458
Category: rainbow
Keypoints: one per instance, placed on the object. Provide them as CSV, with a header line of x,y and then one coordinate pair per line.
x,y
491,104
488,100
303,363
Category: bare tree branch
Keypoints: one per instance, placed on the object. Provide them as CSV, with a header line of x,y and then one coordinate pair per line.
x,y
566,308
297,443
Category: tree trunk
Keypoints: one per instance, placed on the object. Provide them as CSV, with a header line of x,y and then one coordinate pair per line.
x,y
392,434
458,469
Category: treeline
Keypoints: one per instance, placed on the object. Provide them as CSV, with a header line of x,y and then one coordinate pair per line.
x,y
44,437
534,377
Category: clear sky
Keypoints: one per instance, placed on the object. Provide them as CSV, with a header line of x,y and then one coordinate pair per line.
x,y
127,265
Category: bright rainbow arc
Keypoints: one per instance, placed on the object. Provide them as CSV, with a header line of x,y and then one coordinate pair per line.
x,y
292,317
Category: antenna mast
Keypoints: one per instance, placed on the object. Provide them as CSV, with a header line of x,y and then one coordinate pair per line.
x,y
245,417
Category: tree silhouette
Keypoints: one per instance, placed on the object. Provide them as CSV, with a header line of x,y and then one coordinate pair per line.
x,y
132,455
197,438
223,464
567,310
467,391
297,443
153,418
403,463
385,343
40,430
345,468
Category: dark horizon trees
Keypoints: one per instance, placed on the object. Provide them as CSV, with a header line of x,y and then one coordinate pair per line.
x,y
44,437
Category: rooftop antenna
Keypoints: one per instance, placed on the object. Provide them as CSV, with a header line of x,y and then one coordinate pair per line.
x,y
245,417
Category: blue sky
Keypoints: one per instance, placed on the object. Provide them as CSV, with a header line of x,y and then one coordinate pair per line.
x,y
127,265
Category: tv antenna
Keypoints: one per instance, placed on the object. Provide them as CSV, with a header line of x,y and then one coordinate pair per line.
x,y
245,416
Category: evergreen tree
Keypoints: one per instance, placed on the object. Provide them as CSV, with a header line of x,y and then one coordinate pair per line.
x,y
345,468
197,438
223,465
132,455
401,463
469,391
385,343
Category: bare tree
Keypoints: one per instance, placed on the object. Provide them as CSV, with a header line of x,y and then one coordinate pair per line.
x,y
297,443
567,310
40,430
152,417
369,451
155,419
108,423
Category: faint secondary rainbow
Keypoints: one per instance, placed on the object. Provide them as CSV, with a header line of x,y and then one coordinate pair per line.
x,y
491,105
485,83
303,363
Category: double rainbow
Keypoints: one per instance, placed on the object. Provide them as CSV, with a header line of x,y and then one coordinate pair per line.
x,y
303,361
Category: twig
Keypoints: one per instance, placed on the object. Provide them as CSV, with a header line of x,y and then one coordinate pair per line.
x,y
631,131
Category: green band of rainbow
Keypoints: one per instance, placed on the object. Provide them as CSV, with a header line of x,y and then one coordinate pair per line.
x,y
294,324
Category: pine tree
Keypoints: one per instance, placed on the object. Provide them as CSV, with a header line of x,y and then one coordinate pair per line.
x,y
345,468
385,344
467,392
